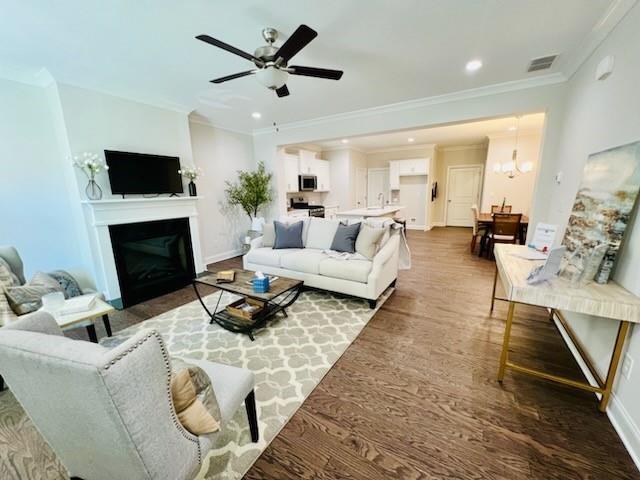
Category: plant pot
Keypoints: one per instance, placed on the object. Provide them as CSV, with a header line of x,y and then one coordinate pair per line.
x,y
257,223
192,189
93,190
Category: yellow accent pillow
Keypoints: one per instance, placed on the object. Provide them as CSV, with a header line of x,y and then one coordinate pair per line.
x,y
192,413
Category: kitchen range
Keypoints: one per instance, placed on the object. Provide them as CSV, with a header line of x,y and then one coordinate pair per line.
x,y
305,210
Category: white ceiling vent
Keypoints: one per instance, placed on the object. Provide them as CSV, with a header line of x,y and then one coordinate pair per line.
x,y
541,63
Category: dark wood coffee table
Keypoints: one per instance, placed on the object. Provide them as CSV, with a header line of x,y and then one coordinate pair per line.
x,y
282,293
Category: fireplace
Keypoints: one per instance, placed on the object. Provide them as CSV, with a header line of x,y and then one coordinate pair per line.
x,y
152,258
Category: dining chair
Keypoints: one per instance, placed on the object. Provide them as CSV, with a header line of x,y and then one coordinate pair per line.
x,y
477,231
504,229
501,209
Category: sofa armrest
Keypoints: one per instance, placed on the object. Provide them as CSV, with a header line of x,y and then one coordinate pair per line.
x,y
386,252
256,243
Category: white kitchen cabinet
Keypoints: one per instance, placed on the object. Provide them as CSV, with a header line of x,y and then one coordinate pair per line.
x,y
322,170
406,168
291,173
306,162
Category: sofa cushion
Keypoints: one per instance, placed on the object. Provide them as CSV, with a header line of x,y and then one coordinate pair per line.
x,y
345,238
321,233
68,284
268,234
288,236
267,256
306,261
354,270
368,239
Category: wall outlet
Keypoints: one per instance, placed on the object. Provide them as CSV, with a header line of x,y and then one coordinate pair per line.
x,y
627,366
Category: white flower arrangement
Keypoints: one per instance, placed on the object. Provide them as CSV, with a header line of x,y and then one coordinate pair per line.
x,y
190,172
90,164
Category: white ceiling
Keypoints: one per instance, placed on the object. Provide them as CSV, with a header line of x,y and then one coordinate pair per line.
x,y
390,51
471,133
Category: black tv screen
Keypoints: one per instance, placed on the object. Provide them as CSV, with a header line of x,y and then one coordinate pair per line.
x,y
140,173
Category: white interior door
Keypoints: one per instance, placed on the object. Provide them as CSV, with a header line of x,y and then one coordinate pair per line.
x,y
463,190
361,187
377,186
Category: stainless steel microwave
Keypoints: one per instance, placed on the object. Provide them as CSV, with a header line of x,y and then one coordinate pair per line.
x,y
307,183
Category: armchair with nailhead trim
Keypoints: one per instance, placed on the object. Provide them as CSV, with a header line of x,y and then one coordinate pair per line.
x,y
109,413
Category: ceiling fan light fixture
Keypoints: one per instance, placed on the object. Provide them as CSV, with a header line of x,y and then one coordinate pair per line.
x,y
272,77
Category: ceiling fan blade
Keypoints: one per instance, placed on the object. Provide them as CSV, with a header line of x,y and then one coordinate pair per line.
x,y
283,91
315,72
229,48
231,77
296,42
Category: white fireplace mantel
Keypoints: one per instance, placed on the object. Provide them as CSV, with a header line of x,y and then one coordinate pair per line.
x,y
99,214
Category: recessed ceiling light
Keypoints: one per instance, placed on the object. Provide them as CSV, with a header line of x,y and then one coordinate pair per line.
x,y
411,139
474,65
256,115
512,128
345,140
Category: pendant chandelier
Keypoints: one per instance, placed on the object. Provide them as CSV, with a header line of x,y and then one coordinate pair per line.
x,y
511,167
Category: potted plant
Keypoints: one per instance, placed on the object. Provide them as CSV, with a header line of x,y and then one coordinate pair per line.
x,y
91,165
251,192
191,173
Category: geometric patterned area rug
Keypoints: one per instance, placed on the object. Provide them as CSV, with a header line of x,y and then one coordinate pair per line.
x,y
289,358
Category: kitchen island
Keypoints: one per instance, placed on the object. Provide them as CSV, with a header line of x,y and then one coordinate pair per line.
x,y
386,211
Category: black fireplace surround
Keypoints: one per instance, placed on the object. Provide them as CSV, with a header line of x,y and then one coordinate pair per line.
x,y
152,258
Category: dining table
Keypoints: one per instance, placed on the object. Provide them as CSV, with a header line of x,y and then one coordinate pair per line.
x,y
485,220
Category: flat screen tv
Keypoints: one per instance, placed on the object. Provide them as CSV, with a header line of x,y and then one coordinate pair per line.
x,y
131,173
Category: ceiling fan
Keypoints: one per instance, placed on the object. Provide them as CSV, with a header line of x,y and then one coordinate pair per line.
x,y
272,62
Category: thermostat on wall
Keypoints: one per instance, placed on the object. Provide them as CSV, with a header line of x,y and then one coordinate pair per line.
x,y
605,67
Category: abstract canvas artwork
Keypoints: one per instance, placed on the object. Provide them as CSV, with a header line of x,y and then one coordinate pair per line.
x,y
602,209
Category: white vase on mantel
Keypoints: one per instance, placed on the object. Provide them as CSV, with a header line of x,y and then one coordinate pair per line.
x,y
257,223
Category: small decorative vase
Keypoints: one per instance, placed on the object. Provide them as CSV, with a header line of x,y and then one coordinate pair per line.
x,y
192,189
93,190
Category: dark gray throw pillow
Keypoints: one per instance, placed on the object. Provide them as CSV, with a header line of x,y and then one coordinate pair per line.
x,y
345,238
288,236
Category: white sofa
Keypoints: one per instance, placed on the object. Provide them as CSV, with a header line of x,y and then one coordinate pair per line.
x,y
357,277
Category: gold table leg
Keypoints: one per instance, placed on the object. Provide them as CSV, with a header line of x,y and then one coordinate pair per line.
x,y
613,366
493,295
505,342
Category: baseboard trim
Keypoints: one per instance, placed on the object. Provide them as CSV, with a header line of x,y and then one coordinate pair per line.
x,y
219,257
625,427
438,224
622,422
416,227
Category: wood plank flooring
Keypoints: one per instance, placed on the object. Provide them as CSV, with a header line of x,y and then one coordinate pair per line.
x,y
415,396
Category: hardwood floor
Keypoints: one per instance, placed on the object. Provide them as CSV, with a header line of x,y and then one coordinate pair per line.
x,y
415,396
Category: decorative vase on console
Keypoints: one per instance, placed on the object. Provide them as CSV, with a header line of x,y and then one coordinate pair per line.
x,y
191,173
91,165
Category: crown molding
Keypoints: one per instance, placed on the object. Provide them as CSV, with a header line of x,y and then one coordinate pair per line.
x,y
343,147
458,148
617,10
524,133
402,148
202,120
538,81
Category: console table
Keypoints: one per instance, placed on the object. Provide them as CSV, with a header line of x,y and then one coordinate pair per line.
x,y
609,301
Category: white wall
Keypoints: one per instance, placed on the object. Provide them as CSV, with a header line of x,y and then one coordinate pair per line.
x,y
482,103
601,115
35,207
96,122
220,154
518,190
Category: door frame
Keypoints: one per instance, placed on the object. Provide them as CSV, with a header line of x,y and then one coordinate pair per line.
x,y
378,169
480,168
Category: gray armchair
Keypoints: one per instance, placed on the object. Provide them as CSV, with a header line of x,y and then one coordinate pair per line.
x,y
109,413
12,257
